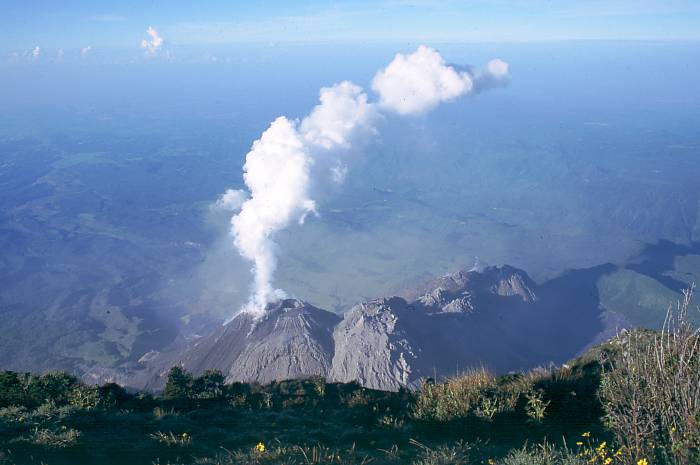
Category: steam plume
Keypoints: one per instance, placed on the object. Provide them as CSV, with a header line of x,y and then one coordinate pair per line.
x,y
232,200
278,173
291,157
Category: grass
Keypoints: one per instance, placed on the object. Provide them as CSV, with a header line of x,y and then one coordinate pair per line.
x,y
474,417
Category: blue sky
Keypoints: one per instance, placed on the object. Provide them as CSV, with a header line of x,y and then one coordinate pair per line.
x,y
101,24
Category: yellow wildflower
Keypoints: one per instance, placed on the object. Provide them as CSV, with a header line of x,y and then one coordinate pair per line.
x,y
260,447
642,462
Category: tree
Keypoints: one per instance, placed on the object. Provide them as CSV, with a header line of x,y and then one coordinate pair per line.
x,y
179,384
12,388
112,395
209,386
51,387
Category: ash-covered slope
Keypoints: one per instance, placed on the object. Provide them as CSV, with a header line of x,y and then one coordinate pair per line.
x,y
497,318
293,340
463,320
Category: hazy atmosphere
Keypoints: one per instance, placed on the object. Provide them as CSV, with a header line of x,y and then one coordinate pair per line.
x,y
168,167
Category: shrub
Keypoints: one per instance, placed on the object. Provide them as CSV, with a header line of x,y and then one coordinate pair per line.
x,y
357,398
536,406
81,396
52,387
14,414
240,400
453,399
291,455
651,390
543,454
319,385
13,388
46,410
59,438
264,400
458,454
599,452
488,407
208,386
172,439
159,413
179,384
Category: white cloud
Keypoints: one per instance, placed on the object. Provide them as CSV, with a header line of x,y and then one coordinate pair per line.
x,y
152,46
498,68
418,82
36,51
85,50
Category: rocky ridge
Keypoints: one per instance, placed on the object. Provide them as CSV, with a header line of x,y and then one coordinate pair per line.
x,y
497,318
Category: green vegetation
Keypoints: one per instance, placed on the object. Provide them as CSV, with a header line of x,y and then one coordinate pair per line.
x,y
634,400
651,392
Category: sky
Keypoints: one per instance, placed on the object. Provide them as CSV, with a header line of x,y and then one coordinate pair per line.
x,y
75,25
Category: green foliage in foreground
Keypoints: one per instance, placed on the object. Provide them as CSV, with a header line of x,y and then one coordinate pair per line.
x,y
472,419
633,401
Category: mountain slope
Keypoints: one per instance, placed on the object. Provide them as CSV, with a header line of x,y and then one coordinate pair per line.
x,y
293,340
497,318
463,320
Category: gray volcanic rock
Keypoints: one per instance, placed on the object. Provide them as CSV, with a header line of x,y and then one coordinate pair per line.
x,y
497,318
375,347
292,340
453,293
391,343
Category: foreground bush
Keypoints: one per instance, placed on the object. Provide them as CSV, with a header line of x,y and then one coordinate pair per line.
x,y
457,397
544,454
294,455
651,391
478,394
56,388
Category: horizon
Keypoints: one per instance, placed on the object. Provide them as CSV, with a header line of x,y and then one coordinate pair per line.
x,y
82,25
